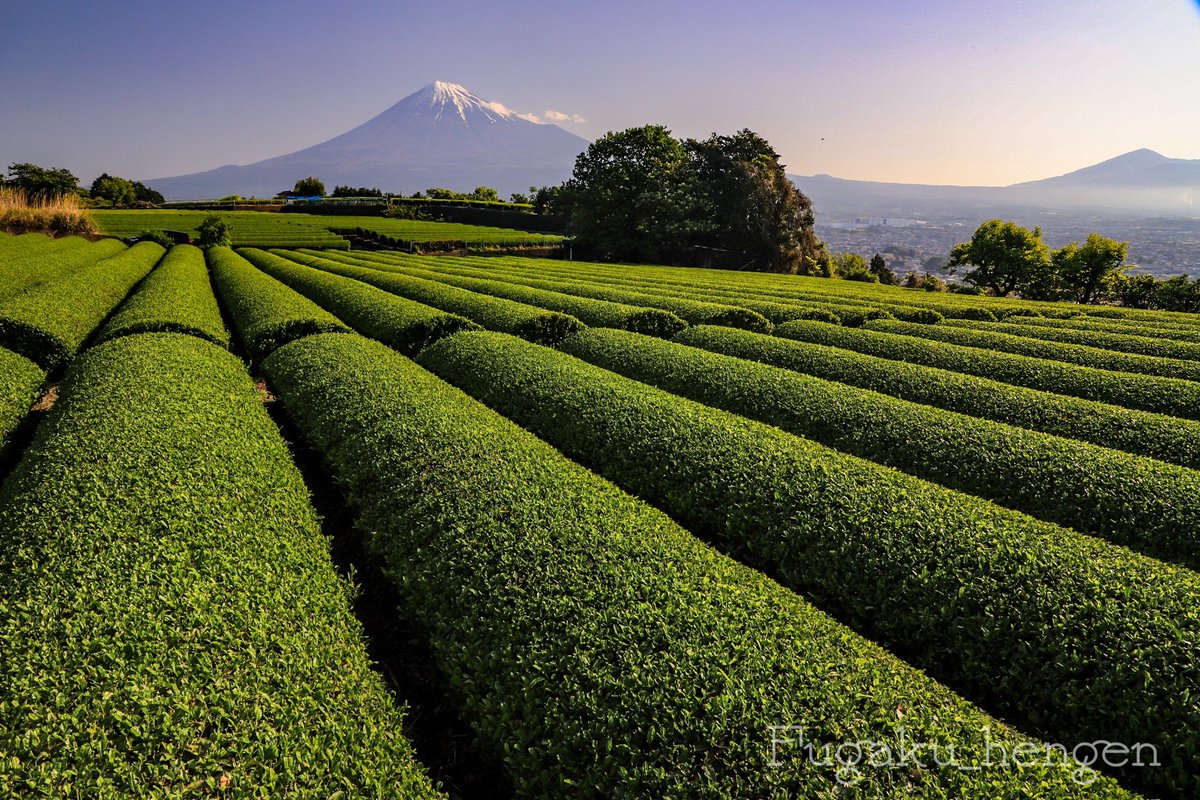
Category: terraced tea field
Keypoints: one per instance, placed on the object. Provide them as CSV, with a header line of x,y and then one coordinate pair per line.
x,y
263,229
657,532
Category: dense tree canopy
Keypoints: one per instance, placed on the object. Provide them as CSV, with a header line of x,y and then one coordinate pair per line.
x,y
642,195
1005,257
41,182
309,187
117,191
1084,269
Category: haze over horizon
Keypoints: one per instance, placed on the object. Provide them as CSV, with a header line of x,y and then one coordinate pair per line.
x,y
942,92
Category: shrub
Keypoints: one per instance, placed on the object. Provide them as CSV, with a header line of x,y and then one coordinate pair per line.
x,y
403,324
158,237
1093,357
494,313
28,266
55,214
595,644
214,231
49,324
1138,502
1142,392
169,613
694,312
20,384
176,297
265,313
1021,615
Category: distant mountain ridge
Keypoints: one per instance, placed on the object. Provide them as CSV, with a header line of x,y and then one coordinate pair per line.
x,y
1141,181
441,135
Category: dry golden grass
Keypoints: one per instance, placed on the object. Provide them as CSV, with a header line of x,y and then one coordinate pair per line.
x,y
58,216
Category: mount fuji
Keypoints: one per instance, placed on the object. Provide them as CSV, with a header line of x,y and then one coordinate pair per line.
x,y
441,135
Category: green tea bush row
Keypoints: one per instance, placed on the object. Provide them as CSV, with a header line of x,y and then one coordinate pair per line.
x,y
265,313
494,313
1165,438
1179,333
1152,393
694,312
1093,357
599,313
1036,622
28,270
396,321
1143,345
176,297
1144,504
50,323
599,649
171,623
20,384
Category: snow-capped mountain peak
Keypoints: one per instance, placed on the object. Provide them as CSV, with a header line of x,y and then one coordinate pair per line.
x,y
442,98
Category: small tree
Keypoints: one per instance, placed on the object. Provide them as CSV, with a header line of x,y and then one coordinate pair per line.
x,y
309,187
117,191
214,232
1085,269
853,267
486,193
1005,258
39,182
882,273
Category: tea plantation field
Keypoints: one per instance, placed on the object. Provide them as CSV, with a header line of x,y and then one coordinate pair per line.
x,y
625,531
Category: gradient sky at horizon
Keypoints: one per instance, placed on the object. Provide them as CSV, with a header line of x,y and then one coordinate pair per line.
x,y
942,91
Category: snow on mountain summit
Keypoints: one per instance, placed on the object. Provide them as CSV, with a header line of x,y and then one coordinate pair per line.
x,y
440,98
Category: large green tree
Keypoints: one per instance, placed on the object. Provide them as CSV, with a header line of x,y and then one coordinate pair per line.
x,y
118,191
40,181
642,195
1005,257
1085,269
310,187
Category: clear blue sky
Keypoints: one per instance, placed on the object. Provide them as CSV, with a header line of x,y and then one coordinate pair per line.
x,y
941,91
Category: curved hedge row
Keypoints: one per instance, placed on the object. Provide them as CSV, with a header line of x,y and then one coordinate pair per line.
x,y
23,268
176,297
1141,503
601,650
396,321
170,619
494,313
1165,438
1032,620
694,312
1143,392
265,313
600,313
1093,357
20,384
49,324
1142,345
1122,326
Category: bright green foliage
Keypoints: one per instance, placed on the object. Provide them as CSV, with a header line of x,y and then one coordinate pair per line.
x,y
990,339
600,650
598,313
45,182
494,313
50,323
398,322
1031,620
265,313
1144,504
1144,345
20,383
33,264
1089,323
1158,436
1085,269
310,187
171,622
1143,392
176,297
1006,257
214,231
694,312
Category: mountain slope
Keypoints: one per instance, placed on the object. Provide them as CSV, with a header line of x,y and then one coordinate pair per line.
x,y
1141,181
441,135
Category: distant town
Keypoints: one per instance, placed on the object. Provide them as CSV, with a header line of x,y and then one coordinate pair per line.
x,y
1161,247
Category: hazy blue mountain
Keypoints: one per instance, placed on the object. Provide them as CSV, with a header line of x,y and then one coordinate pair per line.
x,y
441,135
1142,181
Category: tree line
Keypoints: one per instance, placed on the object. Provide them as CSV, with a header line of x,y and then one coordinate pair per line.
x,y
50,182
